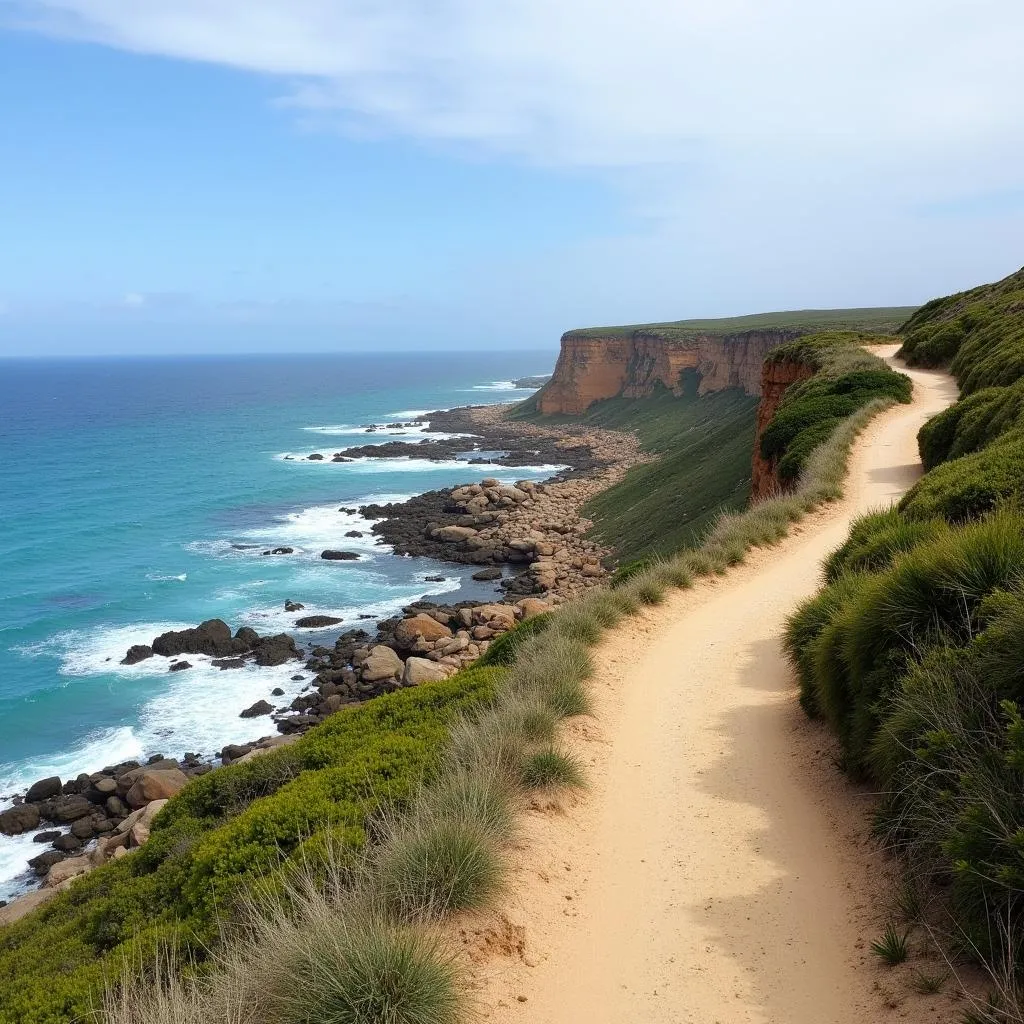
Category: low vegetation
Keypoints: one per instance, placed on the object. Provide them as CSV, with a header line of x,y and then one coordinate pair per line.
x,y
846,378
911,652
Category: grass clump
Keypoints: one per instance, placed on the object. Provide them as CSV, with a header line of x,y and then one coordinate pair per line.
x,y
551,769
504,649
892,947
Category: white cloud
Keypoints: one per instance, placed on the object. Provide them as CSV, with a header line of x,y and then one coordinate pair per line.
x,y
608,82
776,125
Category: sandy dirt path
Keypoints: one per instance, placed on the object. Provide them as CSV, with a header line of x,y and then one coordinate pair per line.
x,y
718,868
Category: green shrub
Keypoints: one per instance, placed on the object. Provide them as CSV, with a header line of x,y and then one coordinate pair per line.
x,y
877,539
624,573
845,379
972,424
207,849
969,487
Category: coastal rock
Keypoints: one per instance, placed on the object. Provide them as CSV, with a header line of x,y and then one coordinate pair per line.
x,y
155,785
293,606
317,621
70,808
339,556
380,664
275,650
65,870
212,637
16,820
279,551
421,670
493,573
138,831
420,631
43,789
531,606
68,843
137,653
46,837
454,534
17,909
354,533
261,707
42,864
179,666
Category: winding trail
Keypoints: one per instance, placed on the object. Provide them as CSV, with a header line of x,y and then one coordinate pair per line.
x,y
718,869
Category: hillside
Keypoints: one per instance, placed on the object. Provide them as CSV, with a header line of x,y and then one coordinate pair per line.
x,y
911,652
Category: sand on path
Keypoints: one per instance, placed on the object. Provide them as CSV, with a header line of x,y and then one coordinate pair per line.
x,y
718,868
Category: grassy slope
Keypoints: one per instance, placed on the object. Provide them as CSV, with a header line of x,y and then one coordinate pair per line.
x,y
663,506
912,652
882,319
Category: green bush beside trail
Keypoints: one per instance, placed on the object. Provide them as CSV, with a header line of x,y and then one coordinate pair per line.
x,y
912,651
224,834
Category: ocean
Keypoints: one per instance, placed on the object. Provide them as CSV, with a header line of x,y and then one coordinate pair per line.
x,y
137,496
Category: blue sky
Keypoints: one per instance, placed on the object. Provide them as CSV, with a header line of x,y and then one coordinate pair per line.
x,y
219,175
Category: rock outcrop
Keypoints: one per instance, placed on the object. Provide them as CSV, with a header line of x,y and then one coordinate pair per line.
x,y
635,363
776,378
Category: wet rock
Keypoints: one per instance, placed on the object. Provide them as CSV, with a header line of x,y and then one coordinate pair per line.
x,y
43,789
16,820
354,533
70,808
68,843
261,707
293,606
317,621
339,556
493,573
137,653
83,828
42,864
212,637
179,666
275,650
280,551
228,663
277,691
46,837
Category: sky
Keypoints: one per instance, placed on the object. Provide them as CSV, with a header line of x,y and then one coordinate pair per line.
x,y
303,175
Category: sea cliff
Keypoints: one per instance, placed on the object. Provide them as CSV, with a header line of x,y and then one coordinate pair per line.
x,y
633,365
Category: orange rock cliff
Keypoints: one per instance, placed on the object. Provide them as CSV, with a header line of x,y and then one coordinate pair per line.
x,y
776,377
591,367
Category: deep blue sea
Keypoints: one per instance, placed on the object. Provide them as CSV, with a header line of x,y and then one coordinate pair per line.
x,y
124,486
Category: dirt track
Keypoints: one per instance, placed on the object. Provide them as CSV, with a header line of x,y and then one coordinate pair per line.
x,y
718,869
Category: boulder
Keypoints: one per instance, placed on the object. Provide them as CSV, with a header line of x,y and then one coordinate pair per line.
x,y
43,789
454,534
531,606
212,637
68,843
502,614
65,870
17,909
70,808
248,636
317,621
421,670
16,820
293,606
275,650
179,666
414,633
82,829
261,707
46,837
492,573
138,831
155,785
137,653
381,663
339,556
42,864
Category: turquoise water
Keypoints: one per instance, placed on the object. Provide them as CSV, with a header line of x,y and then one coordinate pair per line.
x,y
125,485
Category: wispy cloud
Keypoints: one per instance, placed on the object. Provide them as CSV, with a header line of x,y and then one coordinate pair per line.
x,y
751,133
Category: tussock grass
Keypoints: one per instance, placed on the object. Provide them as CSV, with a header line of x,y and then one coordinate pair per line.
x,y
552,769
892,947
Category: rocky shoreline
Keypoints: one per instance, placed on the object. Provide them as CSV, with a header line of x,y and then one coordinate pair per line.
x,y
529,538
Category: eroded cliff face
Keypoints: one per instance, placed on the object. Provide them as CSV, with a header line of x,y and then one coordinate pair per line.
x,y
776,377
590,368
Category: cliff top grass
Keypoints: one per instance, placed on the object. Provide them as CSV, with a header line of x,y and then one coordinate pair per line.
x,y
880,319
